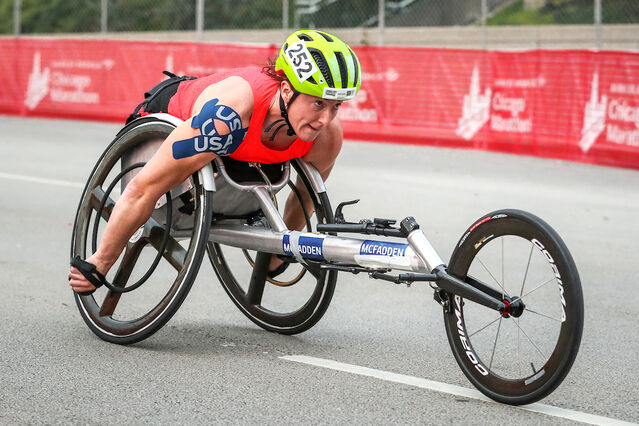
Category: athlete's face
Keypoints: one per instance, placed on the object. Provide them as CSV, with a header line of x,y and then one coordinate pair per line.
x,y
310,114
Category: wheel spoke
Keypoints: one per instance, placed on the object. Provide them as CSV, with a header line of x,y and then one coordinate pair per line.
x,y
122,275
538,287
493,277
503,279
96,199
486,326
258,278
531,341
532,246
518,348
495,344
543,315
174,253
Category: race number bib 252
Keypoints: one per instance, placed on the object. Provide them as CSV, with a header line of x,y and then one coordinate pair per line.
x,y
301,61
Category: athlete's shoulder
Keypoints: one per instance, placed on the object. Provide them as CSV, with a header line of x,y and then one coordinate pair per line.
x,y
233,91
245,78
222,125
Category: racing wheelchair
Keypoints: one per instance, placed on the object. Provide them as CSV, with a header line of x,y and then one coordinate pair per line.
x,y
511,295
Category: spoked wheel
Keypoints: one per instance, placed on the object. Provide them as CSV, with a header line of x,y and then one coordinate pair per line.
x,y
291,303
522,355
160,268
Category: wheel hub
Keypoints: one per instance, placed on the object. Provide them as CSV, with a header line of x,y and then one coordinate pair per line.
x,y
514,307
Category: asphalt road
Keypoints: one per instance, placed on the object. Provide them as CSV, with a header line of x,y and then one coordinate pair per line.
x,y
210,364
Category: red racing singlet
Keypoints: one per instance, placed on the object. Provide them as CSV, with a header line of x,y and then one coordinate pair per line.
x,y
263,88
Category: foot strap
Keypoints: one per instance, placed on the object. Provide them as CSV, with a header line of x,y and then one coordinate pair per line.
x,y
277,271
280,269
90,272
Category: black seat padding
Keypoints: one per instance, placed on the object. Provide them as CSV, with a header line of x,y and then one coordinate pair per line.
x,y
241,172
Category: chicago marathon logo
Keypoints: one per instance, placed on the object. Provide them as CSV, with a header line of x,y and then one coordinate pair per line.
x,y
476,109
64,80
38,85
594,116
613,116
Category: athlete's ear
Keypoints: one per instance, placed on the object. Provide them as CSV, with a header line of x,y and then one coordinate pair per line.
x,y
287,90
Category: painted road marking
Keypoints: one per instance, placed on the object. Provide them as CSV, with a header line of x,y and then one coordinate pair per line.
x,y
41,180
451,389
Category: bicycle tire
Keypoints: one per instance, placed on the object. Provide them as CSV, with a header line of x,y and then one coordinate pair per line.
x,y
553,313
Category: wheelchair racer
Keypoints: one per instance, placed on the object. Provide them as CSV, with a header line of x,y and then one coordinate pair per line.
x,y
285,110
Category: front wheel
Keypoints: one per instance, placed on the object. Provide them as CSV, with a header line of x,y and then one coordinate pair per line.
x,y
520,356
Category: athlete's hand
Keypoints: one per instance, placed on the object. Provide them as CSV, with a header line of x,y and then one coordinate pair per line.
x,y
77,281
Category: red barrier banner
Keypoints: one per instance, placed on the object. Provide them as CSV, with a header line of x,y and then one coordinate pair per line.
x,y
103,80
572,104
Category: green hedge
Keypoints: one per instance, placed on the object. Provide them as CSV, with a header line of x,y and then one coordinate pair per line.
x,y
559,12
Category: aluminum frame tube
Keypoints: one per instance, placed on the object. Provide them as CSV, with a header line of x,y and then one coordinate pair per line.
x,y
424,250
270,211
334,249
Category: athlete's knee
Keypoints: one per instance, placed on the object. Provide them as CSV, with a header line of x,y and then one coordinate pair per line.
x,y
136,192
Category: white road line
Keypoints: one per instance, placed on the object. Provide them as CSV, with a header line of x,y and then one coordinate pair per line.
x,y
451,389
41,180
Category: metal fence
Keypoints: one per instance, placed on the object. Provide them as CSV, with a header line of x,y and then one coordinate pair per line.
x,y
439,23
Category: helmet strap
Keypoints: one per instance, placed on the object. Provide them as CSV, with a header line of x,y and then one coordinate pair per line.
x,y
284,112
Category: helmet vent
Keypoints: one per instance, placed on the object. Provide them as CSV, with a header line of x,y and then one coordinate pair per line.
x,y
356,66
305,37
322,65
326,36
343,70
